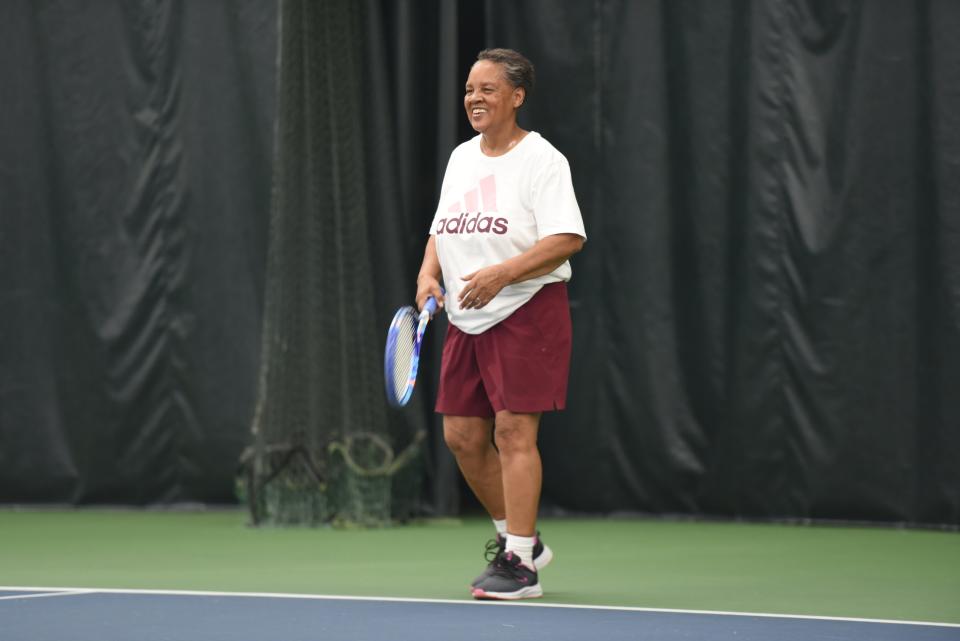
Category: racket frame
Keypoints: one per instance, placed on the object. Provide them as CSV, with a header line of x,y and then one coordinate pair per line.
x,y
403,315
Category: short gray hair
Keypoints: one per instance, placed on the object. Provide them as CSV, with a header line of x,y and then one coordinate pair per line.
x,y
516,68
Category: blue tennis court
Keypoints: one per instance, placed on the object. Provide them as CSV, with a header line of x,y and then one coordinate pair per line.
x,y
56,614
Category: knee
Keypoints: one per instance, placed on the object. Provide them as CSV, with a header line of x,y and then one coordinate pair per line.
x,y
514,437
466,440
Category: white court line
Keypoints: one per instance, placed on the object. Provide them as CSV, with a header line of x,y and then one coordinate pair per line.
x,y
63,592
337,597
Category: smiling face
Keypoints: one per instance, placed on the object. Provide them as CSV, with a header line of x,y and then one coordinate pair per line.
x,y
490,101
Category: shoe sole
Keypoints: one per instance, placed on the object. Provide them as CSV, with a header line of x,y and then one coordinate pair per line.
x,y
530,592
544,559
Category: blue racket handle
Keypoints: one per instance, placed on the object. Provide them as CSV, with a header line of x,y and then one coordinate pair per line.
x,y
431,305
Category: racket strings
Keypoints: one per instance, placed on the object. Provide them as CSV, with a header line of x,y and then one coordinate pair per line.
x,y
403,354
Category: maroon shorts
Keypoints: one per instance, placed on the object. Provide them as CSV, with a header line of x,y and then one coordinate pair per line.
x,y
521,364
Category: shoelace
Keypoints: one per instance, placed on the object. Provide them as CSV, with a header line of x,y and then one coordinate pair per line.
x,y
508,567
492,550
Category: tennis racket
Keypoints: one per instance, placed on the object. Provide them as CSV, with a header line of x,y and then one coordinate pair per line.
x,y
402,356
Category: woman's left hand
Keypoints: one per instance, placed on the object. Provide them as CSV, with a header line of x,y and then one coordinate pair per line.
x,y
482,285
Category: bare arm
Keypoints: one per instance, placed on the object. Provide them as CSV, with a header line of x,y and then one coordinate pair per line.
x,y
428,280
545,256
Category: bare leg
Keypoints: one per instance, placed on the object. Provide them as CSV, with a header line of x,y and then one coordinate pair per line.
x,y
516,438
469,438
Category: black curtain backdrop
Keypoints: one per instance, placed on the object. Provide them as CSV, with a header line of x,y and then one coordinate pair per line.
x,y
135,146
766,315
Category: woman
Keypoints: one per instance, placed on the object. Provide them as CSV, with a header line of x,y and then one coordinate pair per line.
x,y
507,222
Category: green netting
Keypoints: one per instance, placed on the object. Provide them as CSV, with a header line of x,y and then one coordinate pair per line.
x,y
320,450
355,481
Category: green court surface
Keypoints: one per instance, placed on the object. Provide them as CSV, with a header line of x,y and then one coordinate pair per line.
x,y
869,572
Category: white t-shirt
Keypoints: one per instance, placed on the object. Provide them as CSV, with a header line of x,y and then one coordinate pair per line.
x,y
494,208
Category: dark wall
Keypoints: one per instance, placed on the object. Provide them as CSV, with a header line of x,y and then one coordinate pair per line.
x,y
767,313
135,144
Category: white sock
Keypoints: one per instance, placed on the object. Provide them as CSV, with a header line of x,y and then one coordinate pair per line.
x,y
522,546
501,525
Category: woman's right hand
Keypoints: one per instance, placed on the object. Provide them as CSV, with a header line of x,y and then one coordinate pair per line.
x,y
428,286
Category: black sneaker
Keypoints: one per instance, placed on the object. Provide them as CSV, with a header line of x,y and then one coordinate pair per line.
x,y
491,553
542,555
510,580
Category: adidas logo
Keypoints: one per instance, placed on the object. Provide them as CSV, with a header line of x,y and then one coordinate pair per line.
x,y
479,224
460,221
